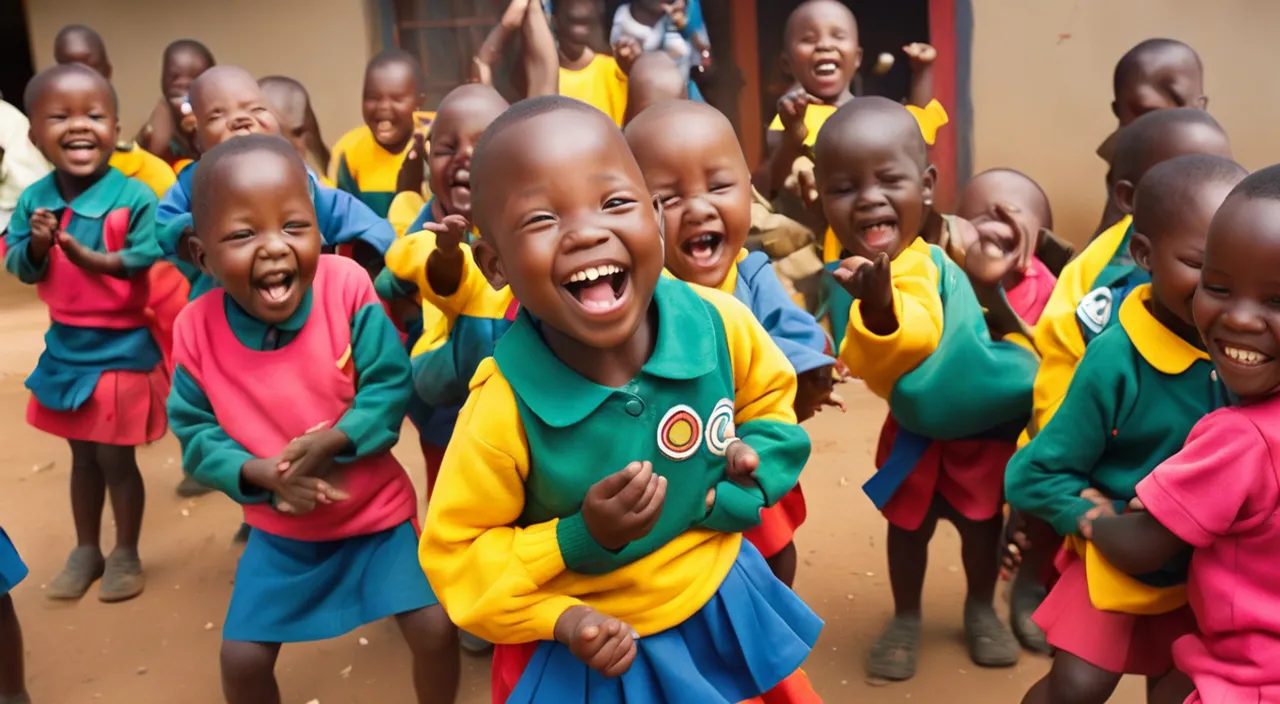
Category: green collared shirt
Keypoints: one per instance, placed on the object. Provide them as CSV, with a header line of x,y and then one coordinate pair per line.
x,y
677,413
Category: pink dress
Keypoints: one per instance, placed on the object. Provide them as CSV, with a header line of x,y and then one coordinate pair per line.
x,y
1221,494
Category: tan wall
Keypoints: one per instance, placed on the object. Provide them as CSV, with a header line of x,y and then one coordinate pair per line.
x,y
322,43
1042,100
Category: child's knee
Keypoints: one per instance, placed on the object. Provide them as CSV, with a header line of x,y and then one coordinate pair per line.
x,y
118,464
247,661
1074,681
429,630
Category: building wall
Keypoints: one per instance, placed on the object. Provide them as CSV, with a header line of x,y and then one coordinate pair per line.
x,y
322,43
1042,74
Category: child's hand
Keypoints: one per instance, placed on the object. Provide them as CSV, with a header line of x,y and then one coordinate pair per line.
x,y
678,13
88,259
311,453
624,506
606,645
801,183
44,232
302,494
625,52
791,109
815,389
513,16
741,462
993,255
414,169
450,233
867,281
921,55
1102,506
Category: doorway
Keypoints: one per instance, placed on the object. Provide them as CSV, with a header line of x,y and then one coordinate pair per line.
x,y
16,67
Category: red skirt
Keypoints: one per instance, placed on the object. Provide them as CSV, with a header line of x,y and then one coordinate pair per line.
x,y
778,523
1115,642
169,293
969,474
126,408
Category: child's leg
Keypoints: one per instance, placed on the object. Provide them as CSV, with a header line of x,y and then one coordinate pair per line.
x,y
1073,681
1027,592
1172,688
249,672
783,564
433,640
88,494
123,577
990,643
893,657
13,687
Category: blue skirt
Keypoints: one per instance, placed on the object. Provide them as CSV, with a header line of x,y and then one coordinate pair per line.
x,y
754,633
289,591
12,569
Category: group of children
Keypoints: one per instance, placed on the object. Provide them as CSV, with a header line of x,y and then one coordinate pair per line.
x,y
570,316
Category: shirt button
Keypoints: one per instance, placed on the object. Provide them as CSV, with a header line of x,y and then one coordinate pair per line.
x,y
635,407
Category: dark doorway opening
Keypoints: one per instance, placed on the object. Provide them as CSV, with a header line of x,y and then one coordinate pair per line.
x,y
16,67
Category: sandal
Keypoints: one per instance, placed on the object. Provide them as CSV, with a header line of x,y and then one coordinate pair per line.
x,y
1023,601
123,578
989,642
84,567
893,657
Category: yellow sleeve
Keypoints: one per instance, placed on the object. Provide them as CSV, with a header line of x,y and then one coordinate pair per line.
x,y
1077,277
435,330
880,360
339,153
931,118
404,210
488,574
155,173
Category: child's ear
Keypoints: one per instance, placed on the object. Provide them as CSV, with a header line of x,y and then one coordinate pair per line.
x,y
1140,250
662,225
196,251
1122,193
487,259
1115,109
929,182
1203,102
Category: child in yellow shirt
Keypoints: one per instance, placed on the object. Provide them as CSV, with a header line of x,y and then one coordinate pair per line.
x,y
594,493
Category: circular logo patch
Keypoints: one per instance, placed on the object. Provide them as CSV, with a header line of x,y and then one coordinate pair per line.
x,y
720,428
680,433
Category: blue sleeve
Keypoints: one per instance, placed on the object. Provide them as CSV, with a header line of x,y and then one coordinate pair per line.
x,y
141,245
209,455
16,260
173,218
382,385
794,330
175,203
342,218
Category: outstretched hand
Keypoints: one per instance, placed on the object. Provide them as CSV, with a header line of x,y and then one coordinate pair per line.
x,y
624,506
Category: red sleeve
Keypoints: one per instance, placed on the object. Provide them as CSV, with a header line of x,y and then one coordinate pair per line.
x,y
1215,485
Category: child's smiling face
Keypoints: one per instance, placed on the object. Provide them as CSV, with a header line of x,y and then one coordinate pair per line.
x,y
257,230
568,224
463,116
391,94
182,66
822,48
698,173
73,120
1237,307
229,103
873,177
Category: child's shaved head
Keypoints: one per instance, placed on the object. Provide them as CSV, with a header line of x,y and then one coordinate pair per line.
x,y
1157,74
218,79
462,117
877,115
1171,187
78,44
1163,134
1010,185
228,102
806,9
654,78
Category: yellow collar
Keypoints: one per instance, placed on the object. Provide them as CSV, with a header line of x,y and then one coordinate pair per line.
x,y
730,283
1162,349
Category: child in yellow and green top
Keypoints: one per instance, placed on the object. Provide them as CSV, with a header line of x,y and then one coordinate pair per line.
x,y
1087,288
700,176
1139,389
366,161
627,429
917,337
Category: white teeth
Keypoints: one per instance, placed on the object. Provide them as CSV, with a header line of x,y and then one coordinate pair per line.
x,y
592,273
1243,355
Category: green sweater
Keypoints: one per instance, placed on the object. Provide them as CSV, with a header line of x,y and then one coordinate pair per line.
x,y
1134,398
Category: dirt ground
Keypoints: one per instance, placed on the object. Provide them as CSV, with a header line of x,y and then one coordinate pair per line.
x,y
163,646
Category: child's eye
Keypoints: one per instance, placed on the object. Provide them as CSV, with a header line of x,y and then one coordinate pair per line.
x,y
667,201
617,203
538,218
296,225
1191,263
721,188
1215,290
240,235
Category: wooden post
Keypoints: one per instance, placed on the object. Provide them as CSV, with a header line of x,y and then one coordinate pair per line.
x,y
746,56
942,34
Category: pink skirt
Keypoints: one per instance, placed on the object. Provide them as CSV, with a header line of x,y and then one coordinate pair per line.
x,y
1115,642
127,409
778,523
969,474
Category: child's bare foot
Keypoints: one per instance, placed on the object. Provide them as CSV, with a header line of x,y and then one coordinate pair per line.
x,y
189,488
123,578
84,567
990,642
893,657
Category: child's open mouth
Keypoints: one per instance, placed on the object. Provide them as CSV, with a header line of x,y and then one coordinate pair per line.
x,y
703,249
80,150
384,130
275,287
1243,356
599,288
880,235
827,68
460,187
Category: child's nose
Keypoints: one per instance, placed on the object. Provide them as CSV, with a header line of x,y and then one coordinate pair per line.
x,y
698,211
